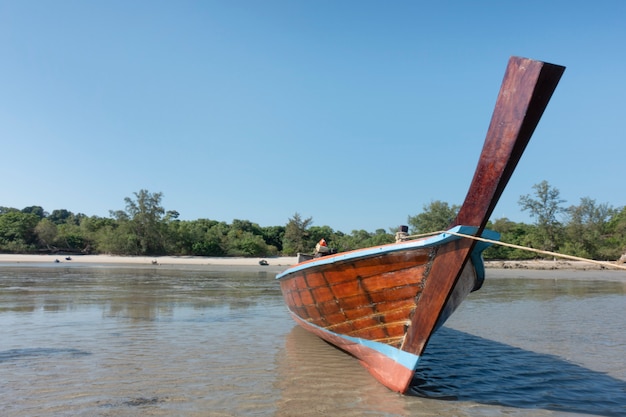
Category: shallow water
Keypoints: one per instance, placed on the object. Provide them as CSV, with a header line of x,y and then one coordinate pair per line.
x,y
107,341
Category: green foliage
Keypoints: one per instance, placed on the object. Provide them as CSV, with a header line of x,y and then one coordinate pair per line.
x,y
437,215
545,208
362,239
36,210
273,236
513,233
5,210
191,238
617,232
94,231
46,232
60,216
588,231
297,238
71,238
146,214
17,231
141,225
144,227
247,244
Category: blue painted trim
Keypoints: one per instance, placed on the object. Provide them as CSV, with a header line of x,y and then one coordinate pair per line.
x,y
477,256
406,359
395,247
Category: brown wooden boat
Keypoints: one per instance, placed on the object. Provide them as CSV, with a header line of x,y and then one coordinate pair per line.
x,y
382,304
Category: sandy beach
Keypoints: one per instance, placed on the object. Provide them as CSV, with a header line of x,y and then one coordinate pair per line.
x,y
527,268
274,264
285,261
554,270
548,265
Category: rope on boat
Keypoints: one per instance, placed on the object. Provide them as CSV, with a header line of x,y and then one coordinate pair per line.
x,y
510,245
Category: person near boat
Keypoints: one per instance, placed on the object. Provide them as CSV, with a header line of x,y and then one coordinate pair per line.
x,y
321,249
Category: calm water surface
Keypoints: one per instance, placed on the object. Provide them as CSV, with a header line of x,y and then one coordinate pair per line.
x,y
112,341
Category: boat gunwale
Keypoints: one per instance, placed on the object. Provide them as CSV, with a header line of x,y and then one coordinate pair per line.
x,y
432,241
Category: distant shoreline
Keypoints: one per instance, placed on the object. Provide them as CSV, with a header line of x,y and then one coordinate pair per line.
x,y
538,269
556,270
270,264
284,261
546,265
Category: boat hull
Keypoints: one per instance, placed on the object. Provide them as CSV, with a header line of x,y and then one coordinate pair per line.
x,y
363,301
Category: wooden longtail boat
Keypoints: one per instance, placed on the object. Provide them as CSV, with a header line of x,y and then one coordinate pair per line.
x,y
382,304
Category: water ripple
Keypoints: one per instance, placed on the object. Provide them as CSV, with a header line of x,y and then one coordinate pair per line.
x,y
26,353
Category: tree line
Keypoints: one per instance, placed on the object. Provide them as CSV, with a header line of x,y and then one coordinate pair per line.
x,y
144,227
589,230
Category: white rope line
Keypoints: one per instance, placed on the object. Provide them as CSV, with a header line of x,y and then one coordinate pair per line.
x,y
510,245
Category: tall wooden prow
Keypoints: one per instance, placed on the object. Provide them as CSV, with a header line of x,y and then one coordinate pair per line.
x,y
525,92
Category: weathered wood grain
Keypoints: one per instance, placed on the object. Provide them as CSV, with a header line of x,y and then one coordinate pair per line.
x,y
523,97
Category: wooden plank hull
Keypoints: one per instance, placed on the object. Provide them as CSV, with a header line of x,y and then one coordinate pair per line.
x,y
390,371
363,301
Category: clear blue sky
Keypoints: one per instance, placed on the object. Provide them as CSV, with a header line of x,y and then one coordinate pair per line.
x,y
355,113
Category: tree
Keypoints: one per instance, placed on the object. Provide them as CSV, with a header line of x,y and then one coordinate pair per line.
x,y
246,226
361,239
510,232
296,237
72,237
587,230
60,216
436,216
36,210
46,232
242,243
17,231
246,239
201,237
273,236
142,224
381,237
96,231
4,210
545,208
617,230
